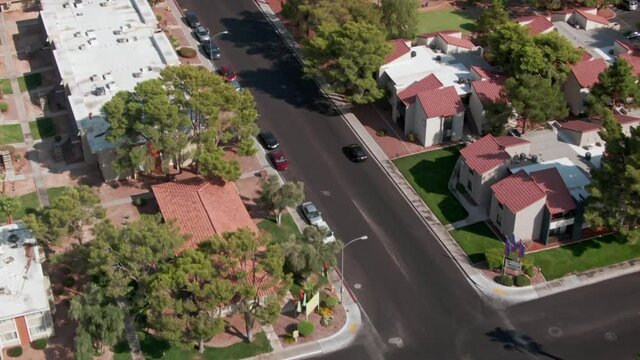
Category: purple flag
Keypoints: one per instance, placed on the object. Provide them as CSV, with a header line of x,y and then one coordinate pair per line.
x,y
521,249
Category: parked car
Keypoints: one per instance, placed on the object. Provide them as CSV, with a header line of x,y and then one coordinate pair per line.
x,y
355,153
192,19
211,50
278,160
202,34
634,35
311,213
236,85
329,235
268,140
227,73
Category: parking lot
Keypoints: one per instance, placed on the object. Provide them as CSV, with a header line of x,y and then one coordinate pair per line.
x,y
628,20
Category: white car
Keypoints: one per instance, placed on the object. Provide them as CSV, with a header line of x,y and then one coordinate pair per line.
x,y
311,213
329,235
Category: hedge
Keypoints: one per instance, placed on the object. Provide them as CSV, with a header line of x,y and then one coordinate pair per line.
x,y
4,107
522,280
187,52
330,302
494,258
15,351
305,328
505,280
39,344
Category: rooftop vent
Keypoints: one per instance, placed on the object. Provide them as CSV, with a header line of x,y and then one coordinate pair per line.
x,y
122,40
117,32
82,47
92,41
94,77
100,91
66,5
79,13
413,54
125,27
104,4
438,58
461,81
137,75
77,34
90,33
8,260
77,3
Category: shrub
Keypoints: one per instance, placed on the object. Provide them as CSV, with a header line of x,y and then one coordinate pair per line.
x,y
305,328
4,107
381,132
174,42
527,266
330,302
522,280
412,137
158,17
69,281
494,258
531,272
139,201
505,280
39,344
15,351
187,52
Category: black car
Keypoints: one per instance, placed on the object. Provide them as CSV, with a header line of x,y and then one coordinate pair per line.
x,y
355,153
211,50
192,19
268,140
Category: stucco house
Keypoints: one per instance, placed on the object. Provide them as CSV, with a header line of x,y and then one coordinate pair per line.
x,y
487,89
627,122
581,132
438,117
448,42
533,205
584,18
484,162
536,24
583,76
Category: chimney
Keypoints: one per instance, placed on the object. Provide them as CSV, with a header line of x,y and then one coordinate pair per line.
x,y
413,54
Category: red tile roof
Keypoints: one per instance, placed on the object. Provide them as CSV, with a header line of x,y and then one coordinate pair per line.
x,y
581,126
587,71
399,48
441,102
633,60
456,41
482,72
428,82
538,25
434,34
592,17
517,192
488,152
488,90
626,119
202,208
585,55
559,198
624,44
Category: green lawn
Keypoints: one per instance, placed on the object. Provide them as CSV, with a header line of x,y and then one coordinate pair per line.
x,y
6,86
42,128
11,134
29,203
585,255
428,173
449,19
279,233
30,82
55,192
475,240
154,348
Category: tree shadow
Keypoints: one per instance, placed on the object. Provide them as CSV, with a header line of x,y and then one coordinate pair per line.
x,y
513,340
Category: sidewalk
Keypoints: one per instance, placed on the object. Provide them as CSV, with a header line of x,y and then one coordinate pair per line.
x,y
496,294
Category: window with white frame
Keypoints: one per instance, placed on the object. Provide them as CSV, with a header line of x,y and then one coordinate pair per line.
x,y
8,332
38,323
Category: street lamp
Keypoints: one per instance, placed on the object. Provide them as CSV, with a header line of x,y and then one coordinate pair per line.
x,y
211,37
364,237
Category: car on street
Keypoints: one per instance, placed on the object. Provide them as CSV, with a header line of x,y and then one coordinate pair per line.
x,y
634,35
278,160
355,153
202,34
192,19
311,213
268,140
236,85
227,72
211,50
329,236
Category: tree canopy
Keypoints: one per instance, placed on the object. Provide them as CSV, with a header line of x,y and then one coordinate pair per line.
x,y
68,215
309,15
536,99
8,206
278,197
348,56
614,200
497,115
617,85
400,17
491,18
308,252
187,106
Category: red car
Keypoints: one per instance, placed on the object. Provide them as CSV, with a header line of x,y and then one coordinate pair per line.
x,y
228,73
278,160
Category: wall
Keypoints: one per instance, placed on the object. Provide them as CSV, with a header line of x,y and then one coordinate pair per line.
x,y
582,139
433,132
477,110
575,95
526,224
105,159
524,148
626,129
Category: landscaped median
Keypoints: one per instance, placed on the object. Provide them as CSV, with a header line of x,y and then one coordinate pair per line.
x,y
429,173
557,262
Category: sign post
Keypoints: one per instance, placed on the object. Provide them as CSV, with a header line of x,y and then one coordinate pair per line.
x,y
312,304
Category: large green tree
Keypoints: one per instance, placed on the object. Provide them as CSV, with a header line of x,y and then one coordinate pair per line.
x,y
308,252
8,206
100,322
348,56
278,197
400,17
496,115
68,215
616,86
614,200
536,99
256,269
600,3
309,15
491,18
125,258
185,297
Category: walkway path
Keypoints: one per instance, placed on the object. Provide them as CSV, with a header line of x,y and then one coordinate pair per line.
x,y
23,115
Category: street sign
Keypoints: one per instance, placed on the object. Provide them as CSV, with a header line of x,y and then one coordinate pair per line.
x,y
512,264
313,303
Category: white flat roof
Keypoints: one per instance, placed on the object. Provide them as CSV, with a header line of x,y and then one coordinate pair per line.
x,y
23,287
102,47
407,70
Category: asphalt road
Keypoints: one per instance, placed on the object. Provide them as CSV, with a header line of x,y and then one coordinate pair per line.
x,y
415,301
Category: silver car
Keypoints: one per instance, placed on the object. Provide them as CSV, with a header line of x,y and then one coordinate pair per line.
x,y
311,213
202,34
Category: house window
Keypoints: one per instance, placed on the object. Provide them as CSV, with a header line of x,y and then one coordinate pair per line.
x,y
469,187
499,219
471,171
38,324
8,331
500,205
